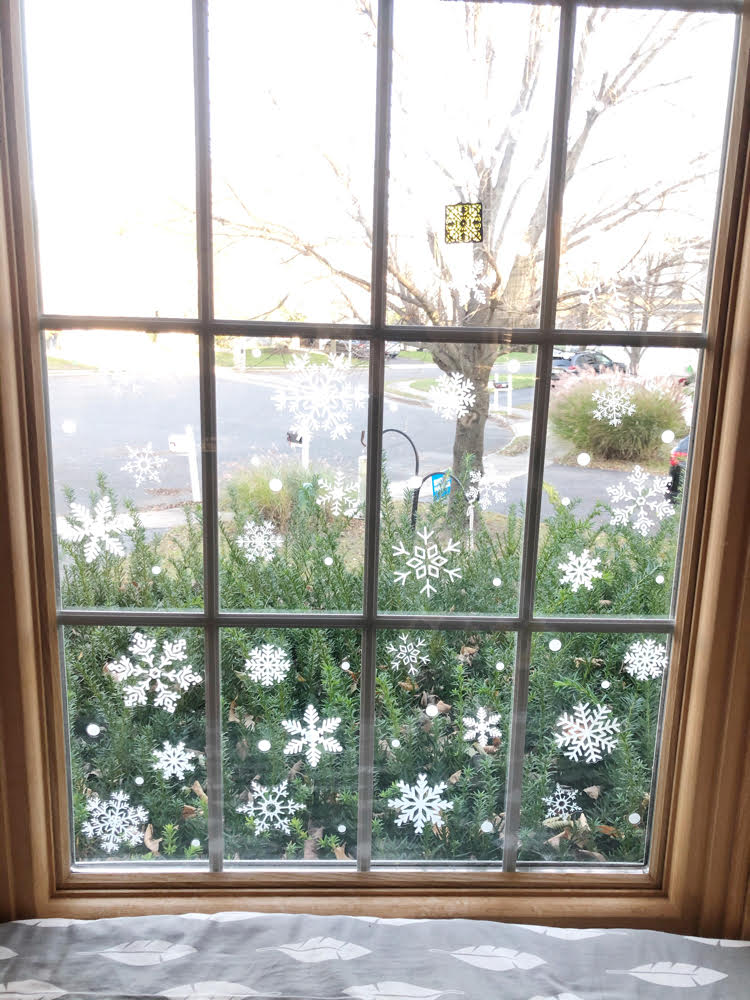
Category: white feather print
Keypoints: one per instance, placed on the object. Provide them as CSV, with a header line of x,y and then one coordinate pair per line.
x,y
679,975
145,952
484,956
31,989
211,990
398,991
7,953
320,949
565,933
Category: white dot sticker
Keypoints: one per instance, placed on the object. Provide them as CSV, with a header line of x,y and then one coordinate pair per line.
x,y
255,461
256,352
634,819
606,685
341,828
138,780
92,729
392,406
414,482
195,843
499,665
275,485
668,437
264,745
69,426
395,744
346,665
584,458
659,578
565,501
432,711
328,561
496,581
514,366
486,827
554,645
155,570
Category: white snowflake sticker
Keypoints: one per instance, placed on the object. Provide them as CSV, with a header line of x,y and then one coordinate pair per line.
x,y
426,561
173,761
143,464
452,396
259,541
320,397
407,653
485,489
114,821
420,803
310,737
166,681
579,571
562,803
339,496
588,733
271,808
646,659
98,532
482,727
641,501
613,403
267,664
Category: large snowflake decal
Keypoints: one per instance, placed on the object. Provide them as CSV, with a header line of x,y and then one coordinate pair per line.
x,y
407,654
267,664
271,808
453,396
427,562
640,501
484,489
321,397
579,571
646,659
613,403
482,727
311,737
259,541
144,464
166,681
100,531
562,803
114,821
339,496
420,803
174,761
587,733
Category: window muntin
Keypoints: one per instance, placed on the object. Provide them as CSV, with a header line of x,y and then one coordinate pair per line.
x,y
520,626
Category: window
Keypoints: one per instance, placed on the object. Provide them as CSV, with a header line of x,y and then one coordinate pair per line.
x,y
453,683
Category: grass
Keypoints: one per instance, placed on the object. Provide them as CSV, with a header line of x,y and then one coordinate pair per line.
x,y
62,364
270,357
519,382
421,355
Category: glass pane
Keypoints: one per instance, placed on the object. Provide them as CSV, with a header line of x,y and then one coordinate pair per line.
x,y
113,147
125,431
456,442
136,710
614,480
443,706
471,119
291,743
647,117
292,144
591,731
291,473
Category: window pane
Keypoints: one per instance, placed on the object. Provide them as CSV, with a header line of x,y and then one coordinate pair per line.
x,y
614,480
464,412
591,731
136,710
443,706
646,126
291,473
292,133
125,431
112,136
471,118
291,743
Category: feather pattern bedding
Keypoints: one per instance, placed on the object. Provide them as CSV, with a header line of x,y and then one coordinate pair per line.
x,y
240,954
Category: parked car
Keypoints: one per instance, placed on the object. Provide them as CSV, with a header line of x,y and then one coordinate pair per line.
x,y
361,349
596,361
677,465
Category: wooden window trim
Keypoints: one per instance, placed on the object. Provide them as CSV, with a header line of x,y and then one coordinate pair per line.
x,y
698,880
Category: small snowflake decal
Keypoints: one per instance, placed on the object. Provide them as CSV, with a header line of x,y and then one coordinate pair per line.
x,y
100,531
173,761
641,501
320,397
487,490
167,684
580,570
427,562
646,659
114,822
144,464
587,733
259,541
310,737
408,654
483,727
267,664
562,803
453,396
339,496
613,403
420,804
271,808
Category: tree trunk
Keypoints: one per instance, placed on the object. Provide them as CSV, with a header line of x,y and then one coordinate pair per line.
x,y
469,440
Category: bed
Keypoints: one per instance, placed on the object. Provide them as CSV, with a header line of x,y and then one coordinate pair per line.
x,y
241,954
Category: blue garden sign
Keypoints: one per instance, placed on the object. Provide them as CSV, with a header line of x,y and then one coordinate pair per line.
x,y
441,485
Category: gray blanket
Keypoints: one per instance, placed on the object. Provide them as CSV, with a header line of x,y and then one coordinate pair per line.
x,y
358,958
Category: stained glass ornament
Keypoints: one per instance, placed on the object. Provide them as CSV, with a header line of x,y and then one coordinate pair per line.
x,y
463,223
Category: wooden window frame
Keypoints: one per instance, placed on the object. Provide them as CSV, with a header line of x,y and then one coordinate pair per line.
x,y
700,861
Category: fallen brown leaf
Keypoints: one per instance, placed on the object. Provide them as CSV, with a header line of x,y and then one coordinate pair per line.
x,y
340,852
151,842
198,789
